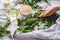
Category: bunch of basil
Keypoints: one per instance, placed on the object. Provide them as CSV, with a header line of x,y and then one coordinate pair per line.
x,y
28,24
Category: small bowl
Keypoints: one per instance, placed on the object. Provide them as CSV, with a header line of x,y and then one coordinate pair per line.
x,y
25,9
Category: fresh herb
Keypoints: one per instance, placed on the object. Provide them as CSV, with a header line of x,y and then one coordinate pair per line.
x,y
32,3
47,21
3,29
28,24
7,24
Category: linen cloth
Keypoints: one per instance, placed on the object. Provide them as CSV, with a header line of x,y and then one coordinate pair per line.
x,y
53,33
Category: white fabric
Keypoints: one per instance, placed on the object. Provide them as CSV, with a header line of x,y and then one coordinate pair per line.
x,y
53,33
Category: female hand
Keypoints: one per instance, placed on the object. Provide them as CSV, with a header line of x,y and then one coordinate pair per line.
x,y
51,10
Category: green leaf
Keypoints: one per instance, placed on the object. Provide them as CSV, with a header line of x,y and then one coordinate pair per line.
x,y
28,24
46,1
7,23
3,29
19,21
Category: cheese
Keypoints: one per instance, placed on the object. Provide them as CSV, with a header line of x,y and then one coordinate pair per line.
x,y
25,9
